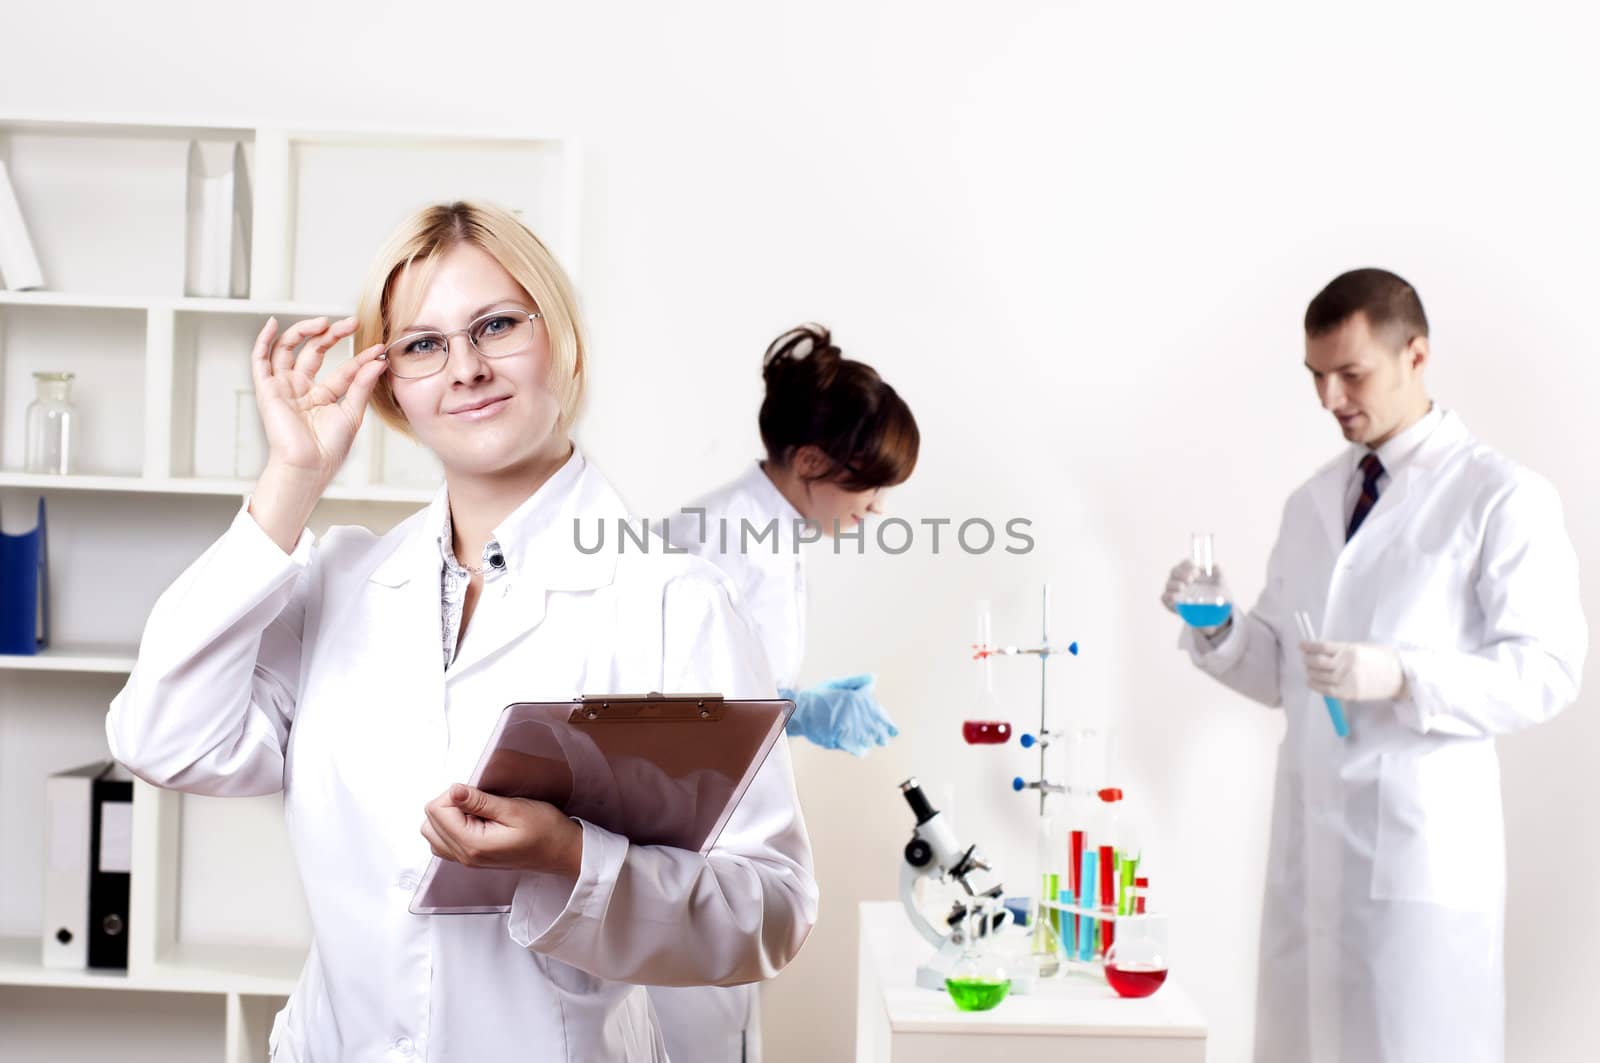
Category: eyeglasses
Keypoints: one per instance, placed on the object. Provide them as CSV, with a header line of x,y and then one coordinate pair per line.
x,y
497,334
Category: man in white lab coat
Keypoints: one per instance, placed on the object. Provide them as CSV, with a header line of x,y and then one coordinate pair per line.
x,y
1445,591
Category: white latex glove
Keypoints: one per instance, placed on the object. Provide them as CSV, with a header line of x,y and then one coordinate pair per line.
x,y
1353,671
1182,574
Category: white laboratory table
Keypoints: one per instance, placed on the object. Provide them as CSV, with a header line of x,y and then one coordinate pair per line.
x,y
1062,1019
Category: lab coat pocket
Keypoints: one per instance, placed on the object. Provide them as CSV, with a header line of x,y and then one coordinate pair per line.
x,y
1418,598
1440,835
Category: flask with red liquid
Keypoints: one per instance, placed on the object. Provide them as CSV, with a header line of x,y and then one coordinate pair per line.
x,y
986,732
985,727
1136,962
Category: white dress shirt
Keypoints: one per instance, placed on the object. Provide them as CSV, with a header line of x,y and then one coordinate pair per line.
x,y
1391,455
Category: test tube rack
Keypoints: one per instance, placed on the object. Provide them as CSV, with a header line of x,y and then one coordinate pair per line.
x,y
1073,958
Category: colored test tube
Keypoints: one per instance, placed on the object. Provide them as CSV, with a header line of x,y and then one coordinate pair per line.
x,y
1075,865
1108,893
1085,923
1336,714
1341,726
1069,947
1052,886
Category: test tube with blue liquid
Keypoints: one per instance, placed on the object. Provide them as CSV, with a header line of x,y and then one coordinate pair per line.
x,y
1308,632
1205,602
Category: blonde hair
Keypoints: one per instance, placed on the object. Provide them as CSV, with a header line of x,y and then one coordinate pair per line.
x,y
418,244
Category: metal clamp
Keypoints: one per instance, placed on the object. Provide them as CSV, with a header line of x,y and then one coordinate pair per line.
x,y
602,708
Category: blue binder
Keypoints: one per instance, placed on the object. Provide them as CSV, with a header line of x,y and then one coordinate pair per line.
x,y
25,590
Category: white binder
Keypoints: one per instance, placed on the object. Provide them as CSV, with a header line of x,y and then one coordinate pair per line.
x,y
19,263
69,803
217,251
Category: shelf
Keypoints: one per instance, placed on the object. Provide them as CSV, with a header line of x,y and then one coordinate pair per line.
x,y
207,127
281,308
98,125
74,300
107,660
254,971
19,965
163,384
217,488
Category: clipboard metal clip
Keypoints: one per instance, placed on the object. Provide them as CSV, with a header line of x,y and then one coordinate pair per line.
x,y
604,708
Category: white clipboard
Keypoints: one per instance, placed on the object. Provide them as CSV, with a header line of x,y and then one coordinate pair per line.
x,y
658,769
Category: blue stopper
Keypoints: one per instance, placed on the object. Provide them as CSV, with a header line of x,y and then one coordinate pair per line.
x,y
1028,741
1073,649
1018,785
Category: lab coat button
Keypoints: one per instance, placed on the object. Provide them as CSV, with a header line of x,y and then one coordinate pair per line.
x,y
403,1046
406,881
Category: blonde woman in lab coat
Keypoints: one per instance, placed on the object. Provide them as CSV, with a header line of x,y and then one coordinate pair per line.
x,y
361,674
1445,590
837,438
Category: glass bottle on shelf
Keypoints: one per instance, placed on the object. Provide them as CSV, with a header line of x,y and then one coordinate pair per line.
x,y
51,422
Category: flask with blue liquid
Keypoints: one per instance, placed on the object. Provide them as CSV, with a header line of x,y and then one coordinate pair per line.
x,y
1205,602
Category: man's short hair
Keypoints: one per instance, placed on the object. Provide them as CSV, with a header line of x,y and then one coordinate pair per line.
x,y
1390,305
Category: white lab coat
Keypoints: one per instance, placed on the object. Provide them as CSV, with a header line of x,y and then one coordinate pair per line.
x,y
320,673
768,572
1382,934
723,1024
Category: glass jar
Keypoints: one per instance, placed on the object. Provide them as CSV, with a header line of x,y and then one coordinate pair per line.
x,y
51,418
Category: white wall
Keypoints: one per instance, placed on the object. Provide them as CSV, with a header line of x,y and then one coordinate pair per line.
x,y
1078,238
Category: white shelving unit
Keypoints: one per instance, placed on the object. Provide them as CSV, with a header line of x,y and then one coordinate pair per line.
x,y
103,659
216,910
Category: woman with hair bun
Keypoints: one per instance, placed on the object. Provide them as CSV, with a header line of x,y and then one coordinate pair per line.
x,y
837,437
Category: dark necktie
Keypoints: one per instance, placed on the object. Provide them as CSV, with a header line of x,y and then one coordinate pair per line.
x,y
1371,469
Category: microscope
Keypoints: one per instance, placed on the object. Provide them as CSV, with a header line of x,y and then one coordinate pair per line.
x,y
933,853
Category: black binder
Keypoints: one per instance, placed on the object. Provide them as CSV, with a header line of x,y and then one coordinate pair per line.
x,y
110,866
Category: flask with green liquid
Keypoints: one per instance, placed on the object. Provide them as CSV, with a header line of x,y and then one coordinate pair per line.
x,y
979,980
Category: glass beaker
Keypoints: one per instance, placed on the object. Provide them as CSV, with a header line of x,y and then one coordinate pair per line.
x,y
51,418
1205,602
978,980
1136,962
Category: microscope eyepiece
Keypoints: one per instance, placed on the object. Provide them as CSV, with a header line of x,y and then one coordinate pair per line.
x,y
918,801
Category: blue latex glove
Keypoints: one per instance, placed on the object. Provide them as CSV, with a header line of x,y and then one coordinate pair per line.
x,y
841,714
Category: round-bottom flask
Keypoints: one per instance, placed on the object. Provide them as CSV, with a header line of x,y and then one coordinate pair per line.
x,y
979,980
1136,962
